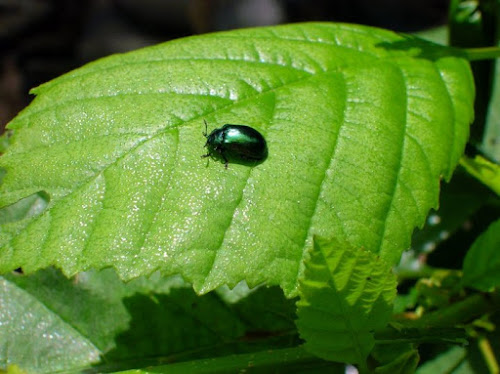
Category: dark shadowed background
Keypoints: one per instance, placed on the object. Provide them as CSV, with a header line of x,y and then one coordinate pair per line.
x,y
42,39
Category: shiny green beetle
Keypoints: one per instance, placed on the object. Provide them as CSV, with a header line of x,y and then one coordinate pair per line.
x,y
237,144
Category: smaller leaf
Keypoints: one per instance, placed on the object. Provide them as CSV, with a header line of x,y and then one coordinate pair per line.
x,y
345,294
438,35
405,301
482,262
448,362
491,139
291,360
37,339
485,171
395,359
459,200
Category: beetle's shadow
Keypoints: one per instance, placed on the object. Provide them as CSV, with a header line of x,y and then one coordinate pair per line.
x,y
422,48
218,158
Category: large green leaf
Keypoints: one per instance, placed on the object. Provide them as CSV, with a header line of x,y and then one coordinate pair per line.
x,y
361,124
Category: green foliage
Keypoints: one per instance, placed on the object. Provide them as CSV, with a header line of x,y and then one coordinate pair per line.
x,y
293,361
103,170
491,138
459,200
474,23
95,315
361,124
451,361
345,295
484,170
482,263
395,359
35,338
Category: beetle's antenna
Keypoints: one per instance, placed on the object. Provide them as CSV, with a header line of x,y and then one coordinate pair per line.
x,y
206,136
206,128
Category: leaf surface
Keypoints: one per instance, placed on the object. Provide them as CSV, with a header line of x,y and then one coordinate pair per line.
x,y
35,338
452,361
360,123
491,139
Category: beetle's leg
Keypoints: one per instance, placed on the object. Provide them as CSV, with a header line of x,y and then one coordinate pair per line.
x,y
226,162
206,156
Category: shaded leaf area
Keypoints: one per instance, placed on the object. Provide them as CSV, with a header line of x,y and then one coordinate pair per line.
x,y
453,361
26,208
360,123
50,323
15,217
459,200
183,326
4,141
482,262
405,301
484,356
472,358
485,171
35,339
346,294
284,361
466,208
491,138
394,359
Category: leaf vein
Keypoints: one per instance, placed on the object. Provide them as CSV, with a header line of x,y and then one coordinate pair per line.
x,y
397,177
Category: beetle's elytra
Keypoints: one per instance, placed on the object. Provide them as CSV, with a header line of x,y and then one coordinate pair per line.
x,y
236,144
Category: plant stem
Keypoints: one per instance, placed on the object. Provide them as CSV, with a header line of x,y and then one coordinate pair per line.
x,y
440,326
461,312
485,53
391,335
488,355
424,271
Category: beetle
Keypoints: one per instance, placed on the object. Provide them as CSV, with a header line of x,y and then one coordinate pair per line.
x,y
236,143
